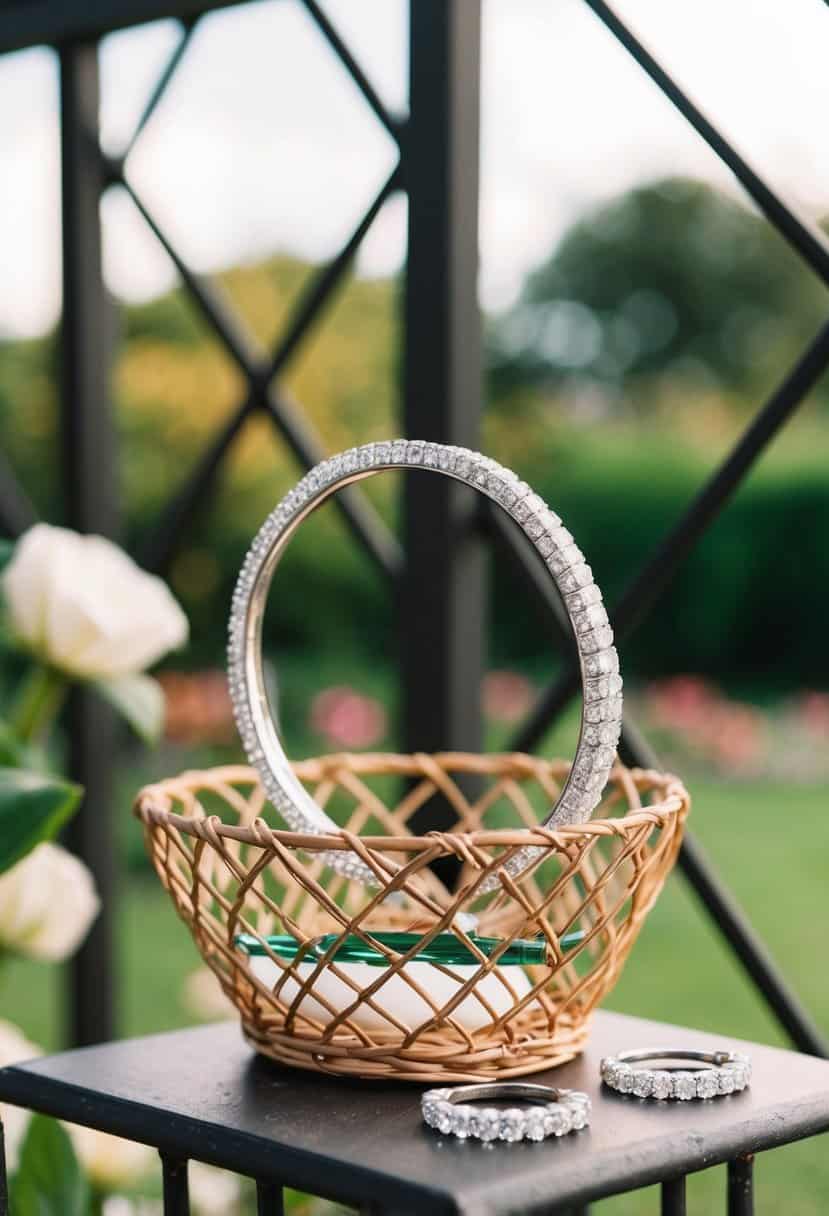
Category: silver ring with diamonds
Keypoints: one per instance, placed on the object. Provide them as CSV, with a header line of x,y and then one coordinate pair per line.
x,y
550,1112
728,1072
602,685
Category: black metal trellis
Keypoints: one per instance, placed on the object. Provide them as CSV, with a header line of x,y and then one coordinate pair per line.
x,y
437,573
91,493
442,615
441,592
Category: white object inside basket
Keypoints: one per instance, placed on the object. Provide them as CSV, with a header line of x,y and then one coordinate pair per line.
x,y
396,996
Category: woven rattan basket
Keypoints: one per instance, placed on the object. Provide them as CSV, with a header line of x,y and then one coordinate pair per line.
x,y
229,872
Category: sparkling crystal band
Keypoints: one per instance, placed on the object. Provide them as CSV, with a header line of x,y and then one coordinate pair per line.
x,y
554,1112
602,709
731,1072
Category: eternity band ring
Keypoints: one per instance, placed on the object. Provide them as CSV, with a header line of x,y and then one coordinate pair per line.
x,y
549,1112
729,1072
599,663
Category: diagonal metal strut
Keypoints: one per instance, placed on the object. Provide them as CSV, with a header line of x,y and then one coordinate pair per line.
x,y
632,607
725,912
161,85
657,572
370,95
359,515
805,236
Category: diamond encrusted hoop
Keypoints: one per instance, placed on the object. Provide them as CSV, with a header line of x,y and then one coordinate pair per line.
x,y
554,1112
602,684
730,1073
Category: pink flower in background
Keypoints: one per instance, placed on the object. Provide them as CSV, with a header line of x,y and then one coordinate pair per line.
x,y
347,718
731,733
508,696
813,711
736,736
682,703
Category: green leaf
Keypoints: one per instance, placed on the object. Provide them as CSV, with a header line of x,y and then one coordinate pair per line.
x,y
139,699
14,753
49,1181
6,552
11,749
7,641
33,808
37,703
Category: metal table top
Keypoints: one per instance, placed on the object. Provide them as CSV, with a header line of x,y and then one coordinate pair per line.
x,y
202,1093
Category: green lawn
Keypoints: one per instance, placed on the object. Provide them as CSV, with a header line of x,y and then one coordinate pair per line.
x,y
770,845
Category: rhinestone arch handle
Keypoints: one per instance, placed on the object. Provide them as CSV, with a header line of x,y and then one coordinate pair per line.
x,y
598,660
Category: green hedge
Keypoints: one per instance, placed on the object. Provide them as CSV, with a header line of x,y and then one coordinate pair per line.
x,y
745,606
747,603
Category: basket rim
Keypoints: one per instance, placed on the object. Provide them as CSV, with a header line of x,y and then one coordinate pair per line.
x,y
153,801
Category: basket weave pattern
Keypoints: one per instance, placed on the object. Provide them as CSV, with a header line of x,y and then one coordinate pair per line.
x,y
229,872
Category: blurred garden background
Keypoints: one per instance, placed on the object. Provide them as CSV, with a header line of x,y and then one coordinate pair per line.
x,y
628,350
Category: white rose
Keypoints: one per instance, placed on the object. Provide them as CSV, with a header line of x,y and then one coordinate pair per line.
x,y
47,903
121,1205
109,1161
82,605
213,1192
14,1048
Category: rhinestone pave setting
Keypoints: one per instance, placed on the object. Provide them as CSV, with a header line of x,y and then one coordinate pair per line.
x,y
570,1113
602,711
730,1076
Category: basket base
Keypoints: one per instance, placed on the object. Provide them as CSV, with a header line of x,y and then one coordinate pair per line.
x,y
409,1020
455,1064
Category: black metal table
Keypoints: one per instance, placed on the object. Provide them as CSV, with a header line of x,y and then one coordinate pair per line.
x,y
202,1094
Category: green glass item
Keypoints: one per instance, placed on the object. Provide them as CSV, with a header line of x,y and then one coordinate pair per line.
x,y
445,948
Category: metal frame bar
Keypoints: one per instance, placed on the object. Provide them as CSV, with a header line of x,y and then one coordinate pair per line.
x,y
673,1197
160,88
657,572
58,23
740,1186
634,749
89,461
728,917
88,437
270,1200
4,1180
270,1196
441,587
361,518
441,600
659,569
803,235
175,1188
441,603
394,126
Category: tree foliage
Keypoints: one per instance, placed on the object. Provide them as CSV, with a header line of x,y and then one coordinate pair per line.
x,y
673,279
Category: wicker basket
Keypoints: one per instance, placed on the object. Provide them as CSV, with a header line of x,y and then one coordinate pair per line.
x,y
229,872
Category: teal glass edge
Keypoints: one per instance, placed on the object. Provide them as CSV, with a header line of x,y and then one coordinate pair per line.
x,y
444,948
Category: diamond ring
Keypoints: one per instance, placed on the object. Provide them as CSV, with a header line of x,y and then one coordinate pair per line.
x,y
602,684
729,1072
551,1112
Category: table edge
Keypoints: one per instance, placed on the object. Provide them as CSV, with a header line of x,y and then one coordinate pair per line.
x,y
301,1169
654,1163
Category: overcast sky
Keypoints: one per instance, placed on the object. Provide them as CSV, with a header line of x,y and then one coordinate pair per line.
x,y
262,143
